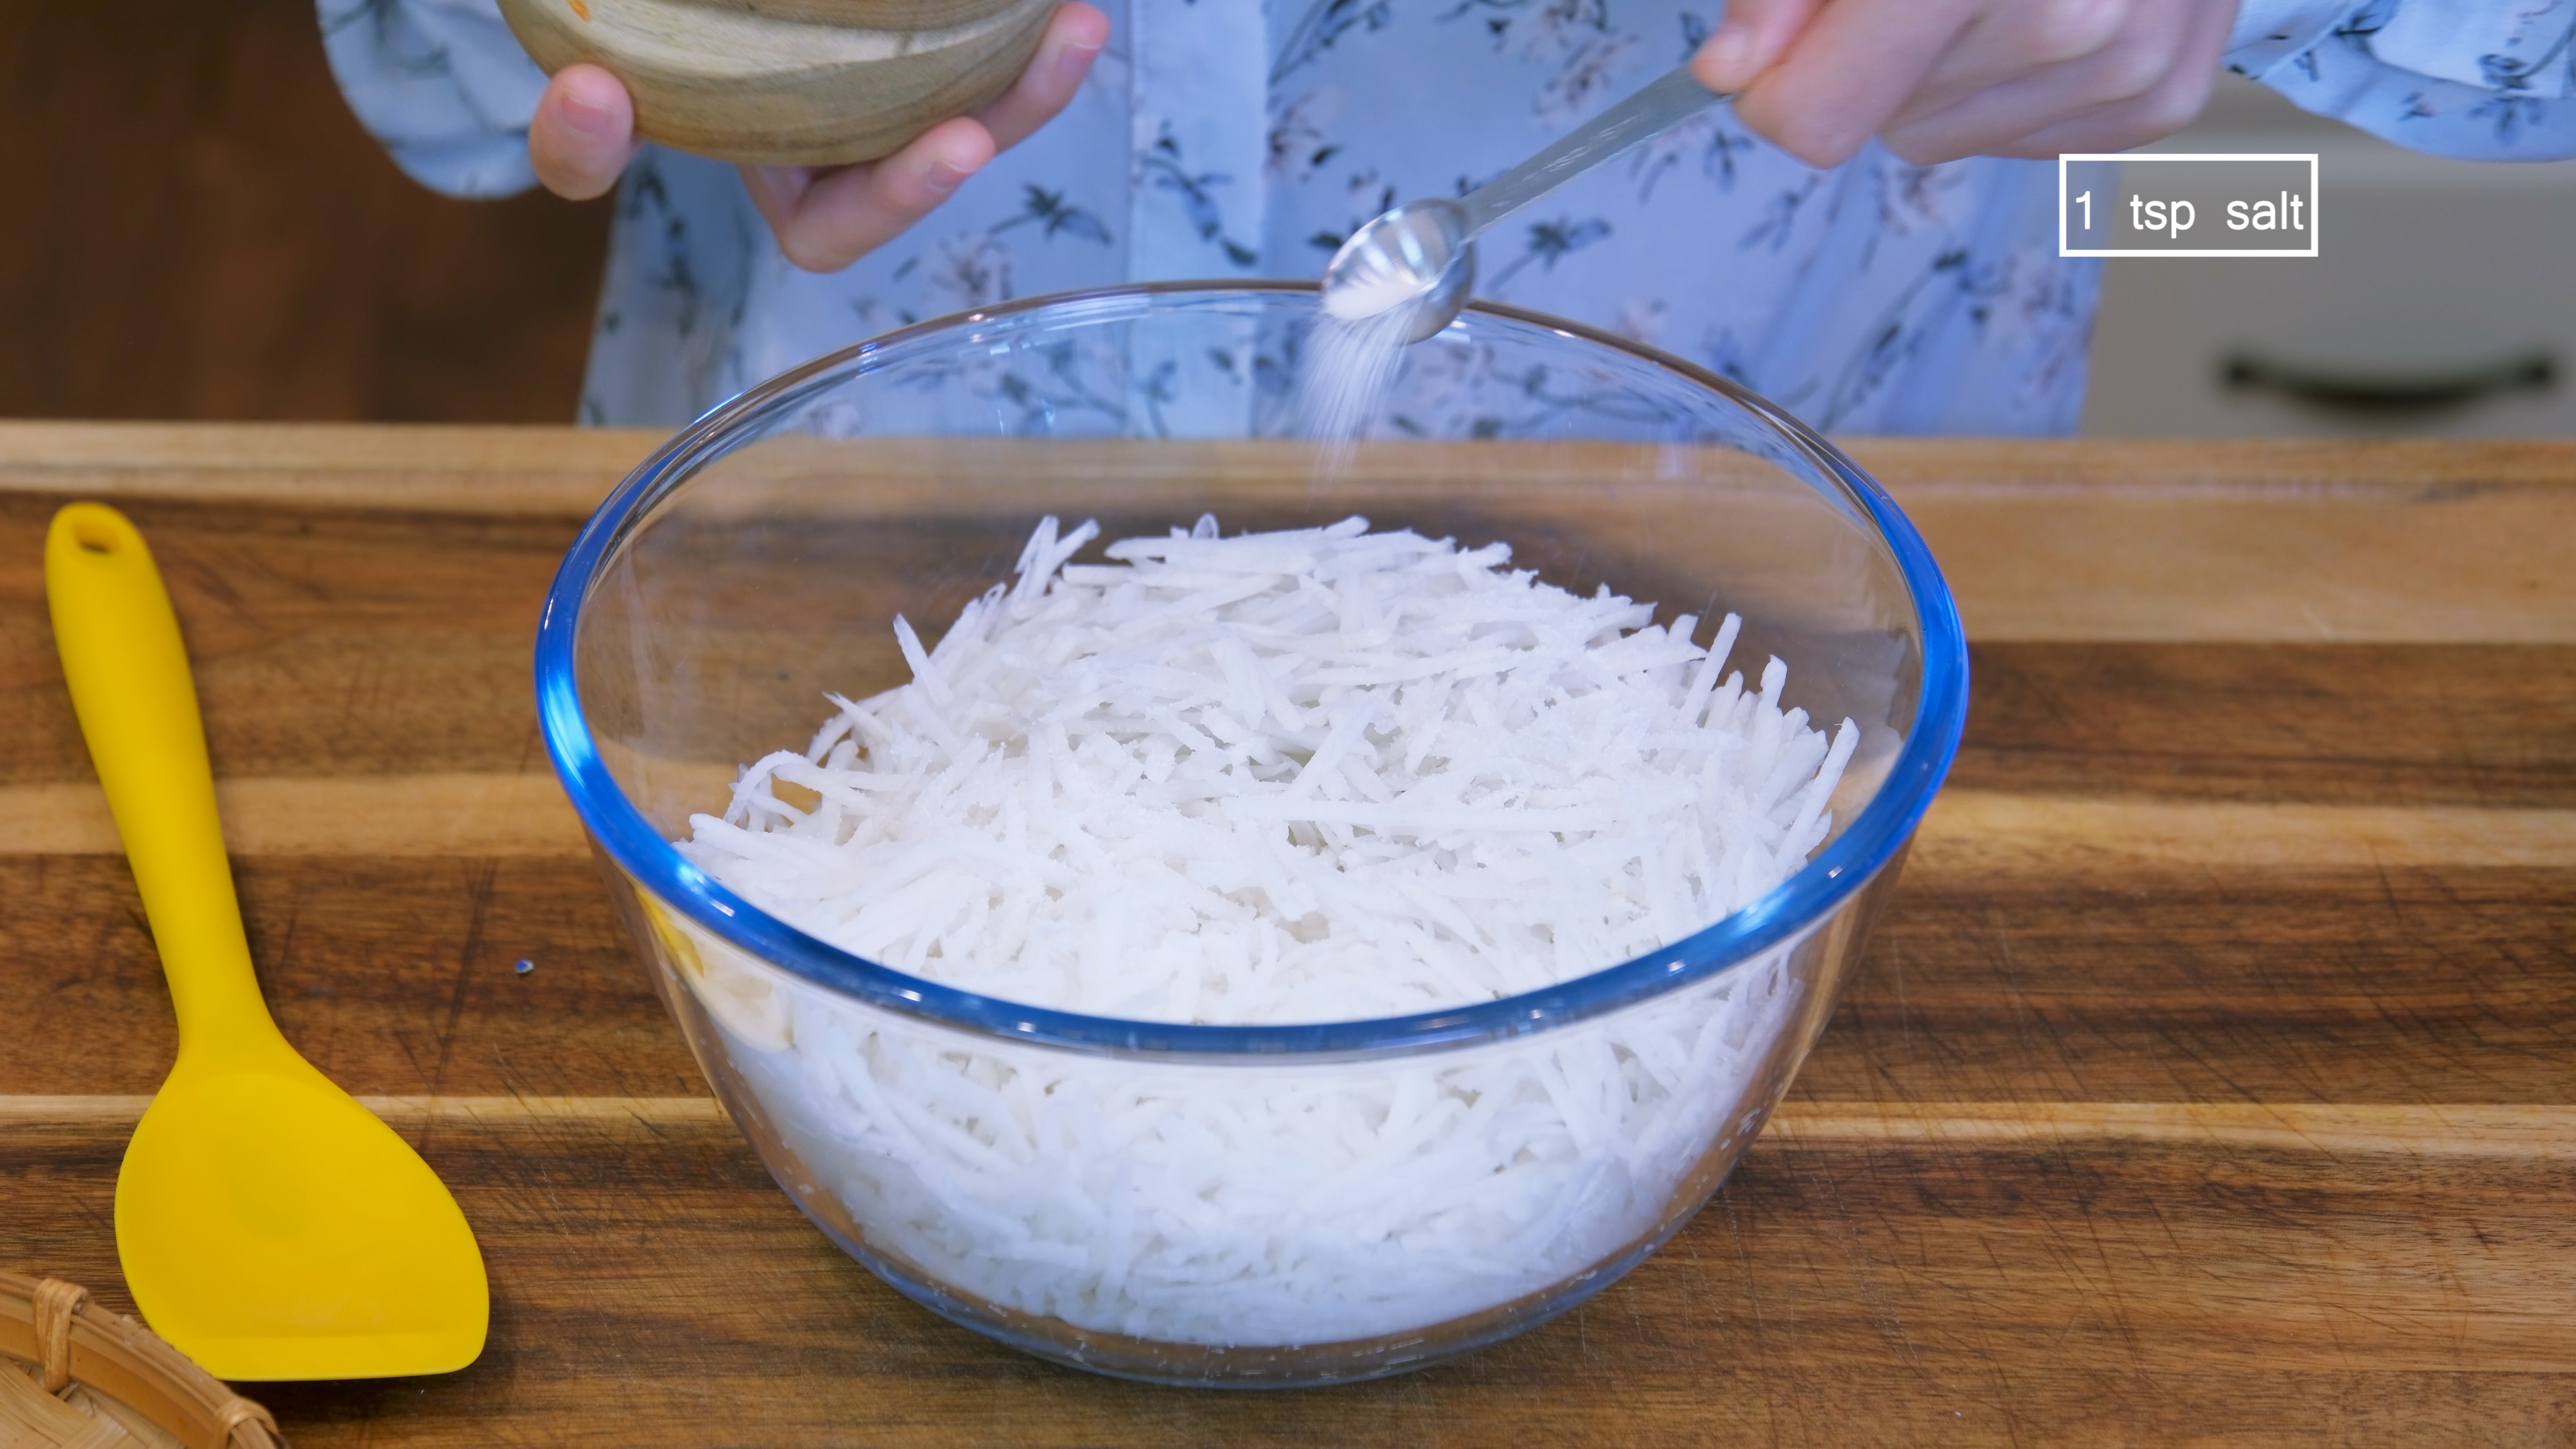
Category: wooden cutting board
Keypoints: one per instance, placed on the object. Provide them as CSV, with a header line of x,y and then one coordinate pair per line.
x,y
2213,1076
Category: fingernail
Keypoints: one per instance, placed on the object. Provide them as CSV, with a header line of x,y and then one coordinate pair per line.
x,y
590,120
945,176
1075,60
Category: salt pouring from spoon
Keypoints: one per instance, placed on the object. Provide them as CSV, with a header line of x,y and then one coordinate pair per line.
x,y
1423,253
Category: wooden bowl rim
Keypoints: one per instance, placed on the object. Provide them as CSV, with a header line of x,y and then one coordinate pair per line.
x,y
859,14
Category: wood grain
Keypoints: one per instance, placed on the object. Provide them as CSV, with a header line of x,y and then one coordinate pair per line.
x,y
2359,724
2183,541
1968,832
2212,1076
748,84
647,1275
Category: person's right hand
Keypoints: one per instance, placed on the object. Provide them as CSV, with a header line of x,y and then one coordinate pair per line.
x,y
1941,79
825,217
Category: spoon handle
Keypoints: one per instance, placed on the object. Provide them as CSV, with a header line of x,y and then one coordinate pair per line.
x,y
1667,101
137,703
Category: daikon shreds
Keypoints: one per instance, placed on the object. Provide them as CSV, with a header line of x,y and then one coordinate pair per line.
x,y
1282,777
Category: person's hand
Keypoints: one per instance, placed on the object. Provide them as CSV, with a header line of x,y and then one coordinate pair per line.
x,y
1942,79
825,217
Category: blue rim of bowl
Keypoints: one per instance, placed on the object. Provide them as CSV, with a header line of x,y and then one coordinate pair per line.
x,y
1810,896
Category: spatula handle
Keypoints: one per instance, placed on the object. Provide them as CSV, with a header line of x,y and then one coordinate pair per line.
x,y
137,702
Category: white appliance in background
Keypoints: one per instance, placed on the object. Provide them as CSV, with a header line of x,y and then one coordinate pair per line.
x,y
2442,301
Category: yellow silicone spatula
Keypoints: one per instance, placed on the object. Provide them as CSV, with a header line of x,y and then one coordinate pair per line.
x,y
269,1226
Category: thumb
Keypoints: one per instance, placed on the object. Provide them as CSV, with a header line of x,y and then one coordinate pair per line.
x,y
1754,34
583,133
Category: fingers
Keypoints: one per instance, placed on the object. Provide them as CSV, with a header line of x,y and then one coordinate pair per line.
x,y
825,220
1751,37
2121,126
2143,85
1073,40
1848,73
1998,114
2021,38
583,133
1942,79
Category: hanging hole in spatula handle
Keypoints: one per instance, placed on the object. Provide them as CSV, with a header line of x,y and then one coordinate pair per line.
x,y
2391,392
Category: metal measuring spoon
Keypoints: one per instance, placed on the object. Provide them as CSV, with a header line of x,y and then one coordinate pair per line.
x,y
1425,250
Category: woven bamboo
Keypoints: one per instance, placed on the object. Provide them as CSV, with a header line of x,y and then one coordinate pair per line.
x,y
75,1376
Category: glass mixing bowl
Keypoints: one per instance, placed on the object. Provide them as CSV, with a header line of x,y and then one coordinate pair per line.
x,y
1239,1205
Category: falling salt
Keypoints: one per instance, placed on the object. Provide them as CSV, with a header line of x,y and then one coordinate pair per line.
x,y
1347,370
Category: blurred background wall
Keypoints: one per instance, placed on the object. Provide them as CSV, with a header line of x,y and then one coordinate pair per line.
x,y
193,226
2442,299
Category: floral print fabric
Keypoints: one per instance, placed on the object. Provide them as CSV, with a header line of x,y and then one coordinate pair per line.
x,y
1234,138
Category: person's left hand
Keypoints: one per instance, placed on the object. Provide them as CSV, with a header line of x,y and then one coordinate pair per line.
x,y
825,217
1942,79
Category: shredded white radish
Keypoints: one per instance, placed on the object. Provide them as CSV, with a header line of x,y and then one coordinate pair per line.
x,y
1319,775
1282,777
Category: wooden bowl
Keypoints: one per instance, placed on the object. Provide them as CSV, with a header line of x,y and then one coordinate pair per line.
x,y
787,82
867,14
72,1372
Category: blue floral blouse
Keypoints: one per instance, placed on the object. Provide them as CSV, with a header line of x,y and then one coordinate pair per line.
x,y
1244,138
